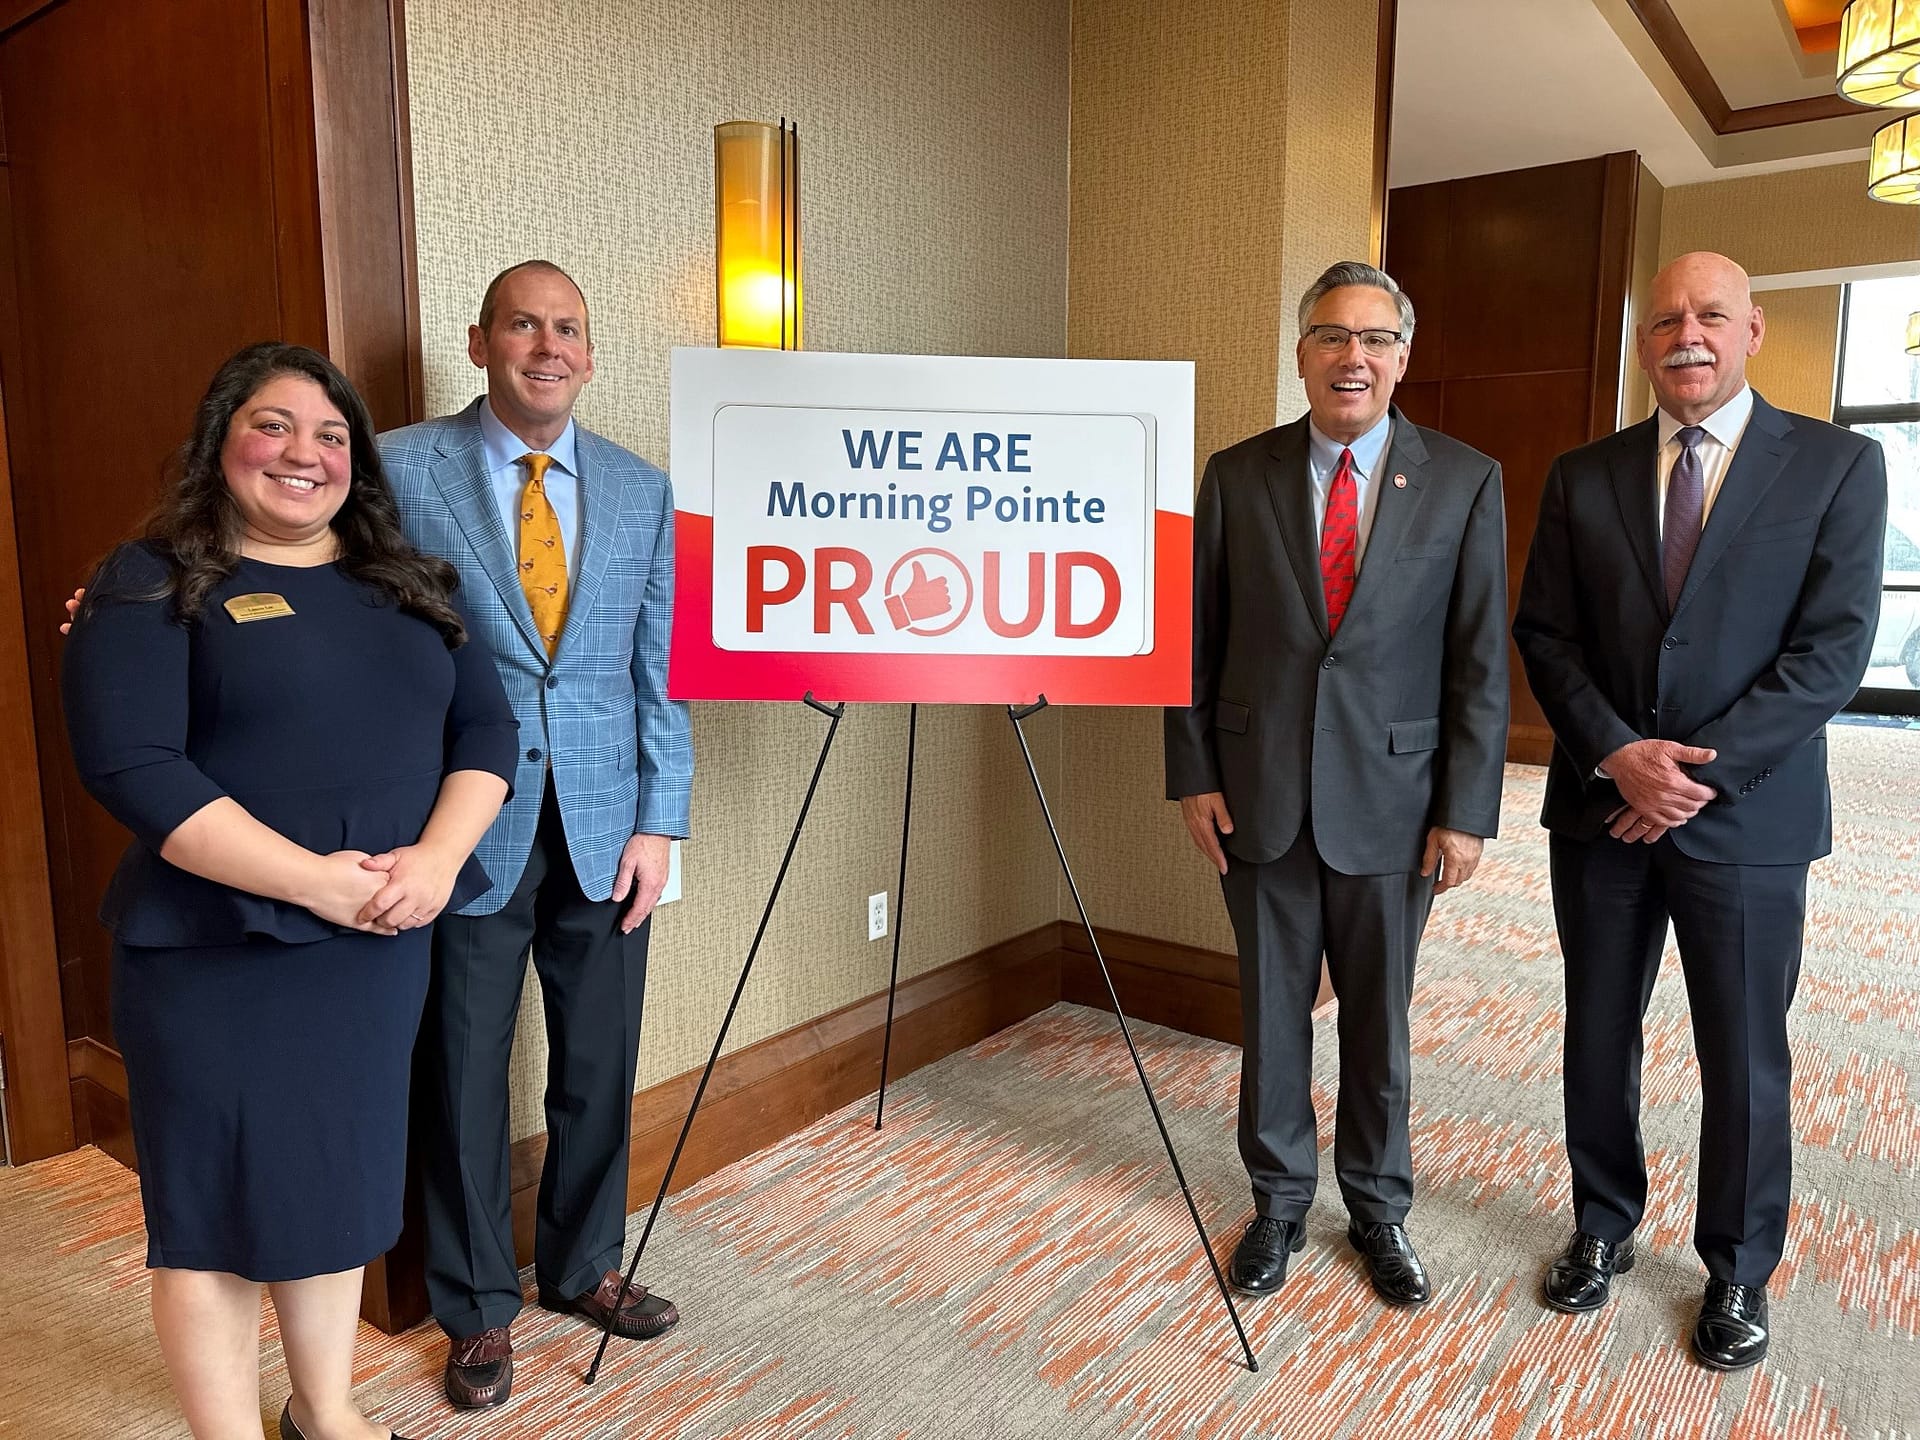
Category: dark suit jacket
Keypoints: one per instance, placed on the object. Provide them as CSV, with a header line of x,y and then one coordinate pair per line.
x,y
1397,724
1768,641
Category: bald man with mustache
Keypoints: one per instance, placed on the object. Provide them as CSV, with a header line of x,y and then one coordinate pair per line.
x,y
1699,601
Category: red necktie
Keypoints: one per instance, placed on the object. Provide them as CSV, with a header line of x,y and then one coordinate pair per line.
x,y
1339,541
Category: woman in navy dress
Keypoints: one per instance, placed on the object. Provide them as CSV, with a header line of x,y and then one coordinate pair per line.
x,y
283,702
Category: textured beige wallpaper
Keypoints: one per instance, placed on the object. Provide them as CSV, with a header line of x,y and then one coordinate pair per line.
x,y
1222,157
934,137
1636,395
1795,366
1179,196
1818,219
1798,220
1331,56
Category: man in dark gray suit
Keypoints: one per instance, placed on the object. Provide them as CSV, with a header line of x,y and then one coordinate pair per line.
x,y
1341,760
1700,600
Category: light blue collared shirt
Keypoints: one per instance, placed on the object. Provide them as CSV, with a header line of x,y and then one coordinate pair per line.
x,y
509,478
1369,454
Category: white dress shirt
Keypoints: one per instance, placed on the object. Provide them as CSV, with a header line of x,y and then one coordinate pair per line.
x,y
1724,428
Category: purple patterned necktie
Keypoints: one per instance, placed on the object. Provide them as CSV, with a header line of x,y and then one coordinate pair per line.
x,y
1680,529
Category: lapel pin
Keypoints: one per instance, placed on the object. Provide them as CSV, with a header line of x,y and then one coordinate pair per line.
x,y
1399,482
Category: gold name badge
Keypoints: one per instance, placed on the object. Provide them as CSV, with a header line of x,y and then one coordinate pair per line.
x,y
257,607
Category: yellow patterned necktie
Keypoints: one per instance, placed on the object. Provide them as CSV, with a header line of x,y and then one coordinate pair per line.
x,y
543,556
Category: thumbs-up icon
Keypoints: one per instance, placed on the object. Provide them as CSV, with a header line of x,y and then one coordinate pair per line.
x,y
923,599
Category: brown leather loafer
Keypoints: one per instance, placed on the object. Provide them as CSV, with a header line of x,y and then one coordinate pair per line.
x,y
640,1317
480,1369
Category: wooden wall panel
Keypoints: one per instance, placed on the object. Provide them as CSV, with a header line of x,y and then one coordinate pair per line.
x,y
1520,355
1419,400
1525,422
247,178
141,260
1417,259
1523,256
39,1112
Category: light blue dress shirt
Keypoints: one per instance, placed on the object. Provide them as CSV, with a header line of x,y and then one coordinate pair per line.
x,y
1369,454
509,477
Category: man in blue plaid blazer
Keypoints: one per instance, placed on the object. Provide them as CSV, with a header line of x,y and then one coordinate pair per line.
x,y
579,855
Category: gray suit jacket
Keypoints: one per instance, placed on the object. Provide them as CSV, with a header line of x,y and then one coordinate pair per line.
x,y
1397,724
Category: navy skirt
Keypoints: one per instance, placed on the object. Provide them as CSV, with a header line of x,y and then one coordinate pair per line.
x,y
268,1090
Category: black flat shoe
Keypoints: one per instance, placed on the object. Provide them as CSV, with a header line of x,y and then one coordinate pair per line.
x,y
1582,1279
1259,1264
1397,1274
291,1431
1731,1333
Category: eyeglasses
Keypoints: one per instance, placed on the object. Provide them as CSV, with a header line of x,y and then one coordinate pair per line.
x,y
1334,338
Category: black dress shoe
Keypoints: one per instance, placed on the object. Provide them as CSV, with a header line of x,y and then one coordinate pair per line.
x,y
1259,1264
1582,1278
1731,1333
291,1431
1397,1274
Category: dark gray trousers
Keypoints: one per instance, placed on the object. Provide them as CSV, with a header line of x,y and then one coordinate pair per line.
x,y
592,979
1286,914
1739,929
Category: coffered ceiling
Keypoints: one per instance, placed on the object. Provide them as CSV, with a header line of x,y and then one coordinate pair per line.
x,y
1703,89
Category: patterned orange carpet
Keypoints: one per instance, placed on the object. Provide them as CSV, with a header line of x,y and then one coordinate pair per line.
x,y
1010,1256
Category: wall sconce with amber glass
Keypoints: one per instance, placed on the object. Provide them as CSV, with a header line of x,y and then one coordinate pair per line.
x,y
1893,164
1880,53
756,199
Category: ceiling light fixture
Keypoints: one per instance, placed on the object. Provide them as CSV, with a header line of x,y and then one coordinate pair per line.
x,y
1893,164
1880,53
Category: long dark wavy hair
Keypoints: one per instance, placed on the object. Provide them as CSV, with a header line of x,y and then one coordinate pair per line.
x,y
198,527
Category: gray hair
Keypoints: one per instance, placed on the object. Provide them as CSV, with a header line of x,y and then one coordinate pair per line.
x,y
1354,272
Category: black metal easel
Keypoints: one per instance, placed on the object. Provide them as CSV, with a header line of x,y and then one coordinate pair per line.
x,y
834,713
1016,714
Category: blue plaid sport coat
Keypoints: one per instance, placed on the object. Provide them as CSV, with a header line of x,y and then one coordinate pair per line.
x,y
621,752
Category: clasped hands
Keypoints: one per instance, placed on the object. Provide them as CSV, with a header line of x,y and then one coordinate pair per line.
x,y
401,889
1659,794
1453,854
407,887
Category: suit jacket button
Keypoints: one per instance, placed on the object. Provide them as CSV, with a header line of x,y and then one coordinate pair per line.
x,y
1668,643
553,682
1328,663
533,754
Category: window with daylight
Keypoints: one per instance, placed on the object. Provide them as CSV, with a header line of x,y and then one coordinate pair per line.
x,y
1878,393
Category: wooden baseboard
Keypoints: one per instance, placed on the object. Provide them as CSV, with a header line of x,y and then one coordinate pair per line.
x,y
88,1059
100,1118
1529,745
763,1093
1179,986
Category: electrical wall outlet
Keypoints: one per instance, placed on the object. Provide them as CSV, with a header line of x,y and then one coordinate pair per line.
x,y
877,915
